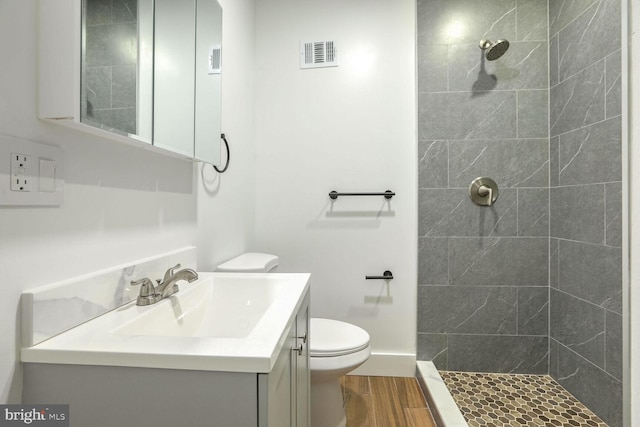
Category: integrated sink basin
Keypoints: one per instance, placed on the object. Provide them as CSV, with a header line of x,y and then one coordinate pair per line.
x,y
221,322
225,308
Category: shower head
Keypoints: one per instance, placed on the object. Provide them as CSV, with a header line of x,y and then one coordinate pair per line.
x,y
494,50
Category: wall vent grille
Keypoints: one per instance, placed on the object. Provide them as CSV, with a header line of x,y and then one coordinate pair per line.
x,y
215,57
318,54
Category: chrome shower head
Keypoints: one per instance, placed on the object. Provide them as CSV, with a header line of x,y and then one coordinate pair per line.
x,y
494,50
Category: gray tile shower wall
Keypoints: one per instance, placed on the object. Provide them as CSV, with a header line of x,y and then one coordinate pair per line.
x,y
544,121
585,203
483,271
109,88
596,388
532,284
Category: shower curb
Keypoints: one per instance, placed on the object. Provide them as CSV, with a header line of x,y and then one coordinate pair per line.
x,y
443,408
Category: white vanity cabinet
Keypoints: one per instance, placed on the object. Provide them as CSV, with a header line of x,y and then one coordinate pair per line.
x,y
107,396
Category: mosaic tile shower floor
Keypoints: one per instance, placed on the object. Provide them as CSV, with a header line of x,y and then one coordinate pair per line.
x,y
516,400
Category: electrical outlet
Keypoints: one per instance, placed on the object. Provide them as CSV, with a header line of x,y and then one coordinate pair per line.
x,y
31,174
21,175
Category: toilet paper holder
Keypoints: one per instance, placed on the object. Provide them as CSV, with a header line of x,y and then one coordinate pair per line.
x,y
387,275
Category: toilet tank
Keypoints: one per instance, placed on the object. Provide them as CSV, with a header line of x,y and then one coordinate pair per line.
x,y
250,262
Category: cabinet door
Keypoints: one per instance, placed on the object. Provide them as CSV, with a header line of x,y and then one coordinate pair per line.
x,y
276,390
302,375
208,108
283,393
174,69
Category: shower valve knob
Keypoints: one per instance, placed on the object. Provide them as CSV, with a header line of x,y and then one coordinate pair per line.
x,y
483,191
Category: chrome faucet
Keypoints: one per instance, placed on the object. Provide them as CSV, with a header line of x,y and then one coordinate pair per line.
x,y
150,294
168,285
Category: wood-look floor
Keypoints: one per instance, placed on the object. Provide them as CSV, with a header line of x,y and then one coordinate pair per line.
x,y
384,402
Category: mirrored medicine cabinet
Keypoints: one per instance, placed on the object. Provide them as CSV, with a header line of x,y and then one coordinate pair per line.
x,y
143,72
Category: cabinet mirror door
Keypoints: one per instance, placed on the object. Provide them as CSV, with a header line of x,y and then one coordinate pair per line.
x,y
208,85
174,71
117,66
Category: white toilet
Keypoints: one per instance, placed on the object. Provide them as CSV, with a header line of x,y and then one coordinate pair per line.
x,y
335,348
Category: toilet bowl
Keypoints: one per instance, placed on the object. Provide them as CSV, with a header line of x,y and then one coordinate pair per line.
x,y
335,349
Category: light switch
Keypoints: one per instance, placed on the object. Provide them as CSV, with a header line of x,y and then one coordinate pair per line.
x,y
47,182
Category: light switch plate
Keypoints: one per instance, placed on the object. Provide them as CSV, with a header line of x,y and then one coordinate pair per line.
x,y
31,174
47,176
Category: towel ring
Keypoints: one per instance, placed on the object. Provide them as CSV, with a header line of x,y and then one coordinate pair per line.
x,y
226,144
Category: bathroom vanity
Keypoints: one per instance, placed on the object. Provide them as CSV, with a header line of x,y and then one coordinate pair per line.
x,y
226,350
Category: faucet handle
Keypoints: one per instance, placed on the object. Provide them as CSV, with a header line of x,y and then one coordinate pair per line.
x,y
169,272
146,286
148,293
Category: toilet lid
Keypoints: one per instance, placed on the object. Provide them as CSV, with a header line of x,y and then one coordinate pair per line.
x,y
330,337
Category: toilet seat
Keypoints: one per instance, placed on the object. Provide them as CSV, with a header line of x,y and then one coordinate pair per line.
x,y
330,338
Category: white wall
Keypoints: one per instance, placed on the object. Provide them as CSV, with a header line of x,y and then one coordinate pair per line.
x,y
121,203
349,128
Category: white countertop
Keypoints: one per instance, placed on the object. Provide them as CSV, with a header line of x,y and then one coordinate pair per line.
x,y
96,342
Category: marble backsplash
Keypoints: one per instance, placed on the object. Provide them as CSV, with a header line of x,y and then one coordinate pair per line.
x,y
51,309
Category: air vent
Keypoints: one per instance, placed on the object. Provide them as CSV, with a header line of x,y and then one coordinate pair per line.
x,y
318,54
214,59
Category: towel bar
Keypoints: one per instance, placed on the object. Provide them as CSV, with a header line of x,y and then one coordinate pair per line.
x,y
387,194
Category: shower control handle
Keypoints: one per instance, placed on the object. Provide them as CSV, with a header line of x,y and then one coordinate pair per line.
x,y
486,192
483,191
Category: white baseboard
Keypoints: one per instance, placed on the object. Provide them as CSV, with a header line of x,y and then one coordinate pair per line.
x,y
388,365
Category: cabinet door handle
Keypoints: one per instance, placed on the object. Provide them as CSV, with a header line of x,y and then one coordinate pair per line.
x,y
303,338
298,349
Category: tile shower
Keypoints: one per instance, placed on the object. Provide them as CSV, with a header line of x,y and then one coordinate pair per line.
x,y
533,284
